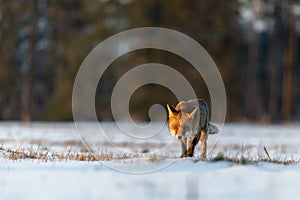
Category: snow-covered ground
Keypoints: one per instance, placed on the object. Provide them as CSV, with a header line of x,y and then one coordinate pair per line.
x,y
169,178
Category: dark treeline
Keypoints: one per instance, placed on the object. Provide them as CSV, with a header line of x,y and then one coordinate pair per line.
x,y
255,44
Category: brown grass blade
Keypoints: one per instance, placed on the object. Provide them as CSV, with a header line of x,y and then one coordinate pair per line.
x,y
268,156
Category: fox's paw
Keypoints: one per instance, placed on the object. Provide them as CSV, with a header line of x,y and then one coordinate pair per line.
x,y
184,155
190,155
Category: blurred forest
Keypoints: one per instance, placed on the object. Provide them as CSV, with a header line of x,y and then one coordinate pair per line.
x,y
255,44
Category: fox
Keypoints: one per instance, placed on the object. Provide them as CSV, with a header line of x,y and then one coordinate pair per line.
x,y
189,123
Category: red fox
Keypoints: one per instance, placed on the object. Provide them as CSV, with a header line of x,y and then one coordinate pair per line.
x,y
189,123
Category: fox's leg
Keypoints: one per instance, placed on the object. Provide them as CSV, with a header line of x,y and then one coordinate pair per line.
x,y
203,139
183,148
192,142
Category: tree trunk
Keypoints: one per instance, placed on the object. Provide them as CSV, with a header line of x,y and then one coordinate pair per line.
x,y
287,76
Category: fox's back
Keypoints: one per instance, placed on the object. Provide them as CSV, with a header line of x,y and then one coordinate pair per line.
x,y
189,106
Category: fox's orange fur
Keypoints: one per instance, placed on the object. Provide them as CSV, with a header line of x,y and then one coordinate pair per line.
x,y
189,123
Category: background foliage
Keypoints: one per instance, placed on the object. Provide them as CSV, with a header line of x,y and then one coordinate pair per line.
x,y
254,43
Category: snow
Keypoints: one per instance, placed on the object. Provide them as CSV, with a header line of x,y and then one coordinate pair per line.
x,y
180,179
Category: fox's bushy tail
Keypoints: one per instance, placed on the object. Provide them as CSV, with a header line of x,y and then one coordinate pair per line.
x,y
212,129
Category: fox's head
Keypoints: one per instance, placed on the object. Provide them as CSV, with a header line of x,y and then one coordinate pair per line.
x,y
182,124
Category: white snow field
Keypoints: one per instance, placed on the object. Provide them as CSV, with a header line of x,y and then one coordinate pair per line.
x,y
149,164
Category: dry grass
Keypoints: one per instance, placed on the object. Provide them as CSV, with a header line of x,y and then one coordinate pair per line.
x,y
251,160
42,153
244,158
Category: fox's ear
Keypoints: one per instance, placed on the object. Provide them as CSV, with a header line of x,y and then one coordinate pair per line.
x,y
172,110
193,113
